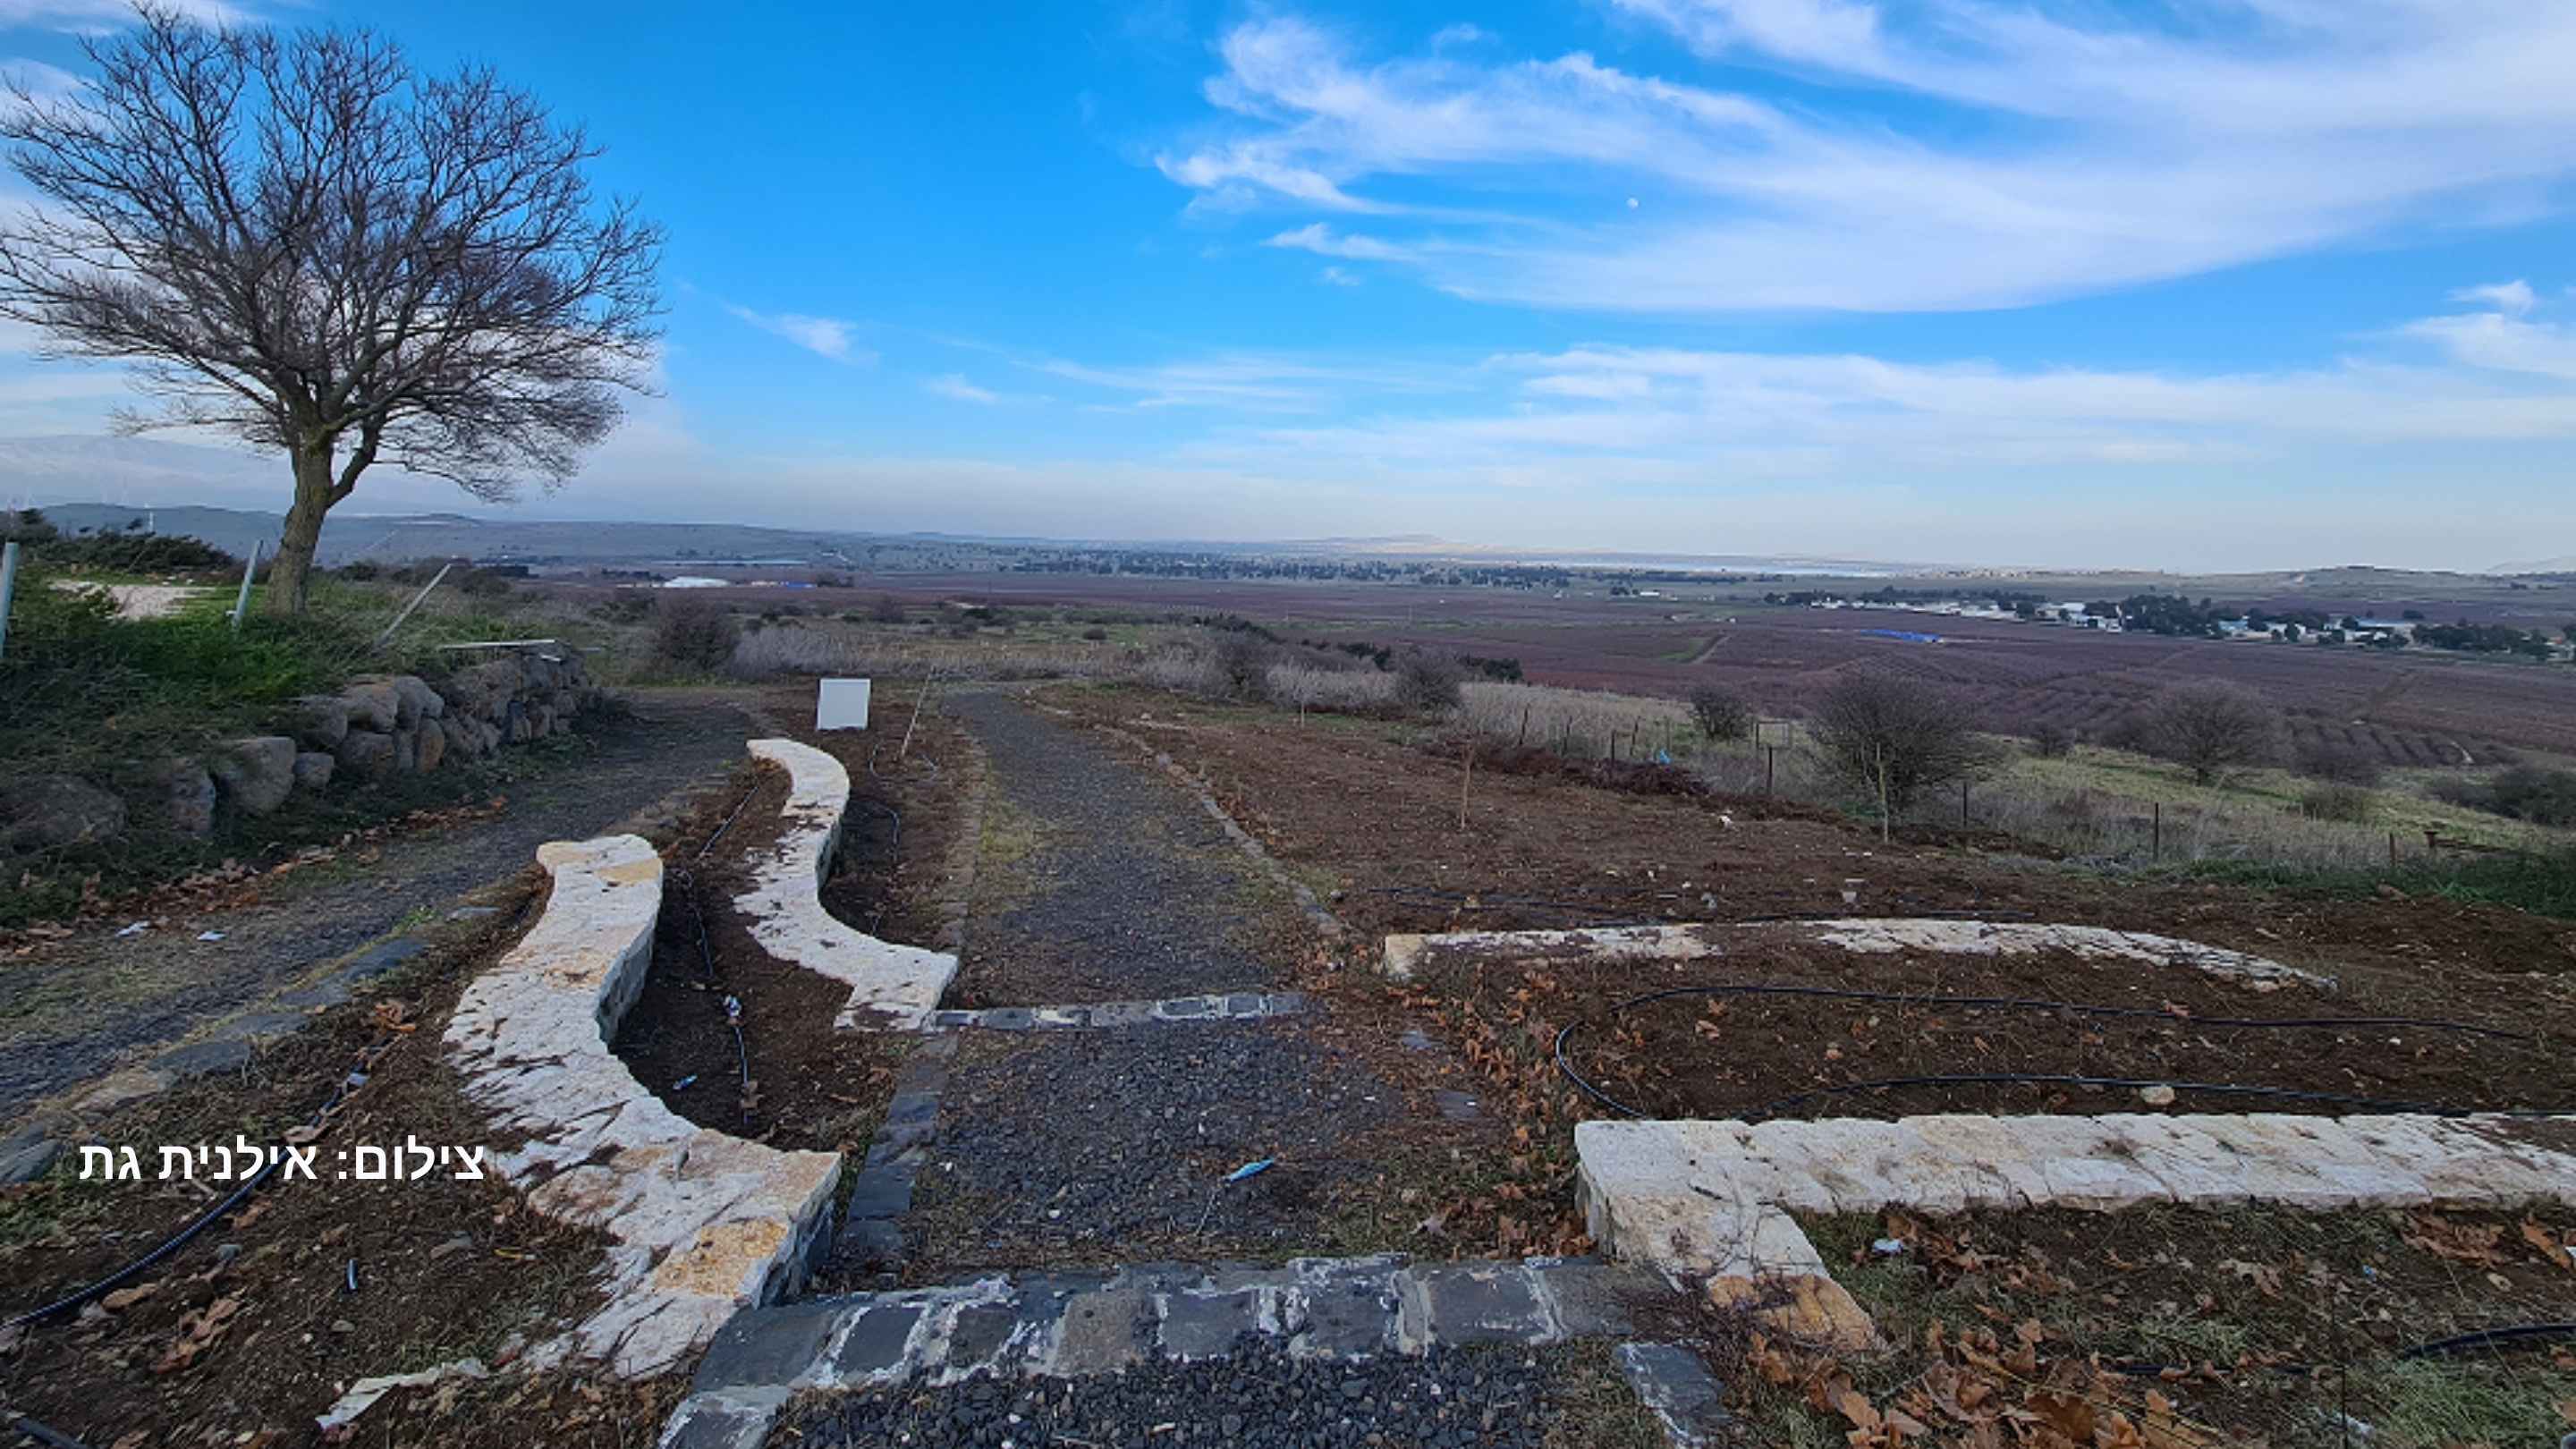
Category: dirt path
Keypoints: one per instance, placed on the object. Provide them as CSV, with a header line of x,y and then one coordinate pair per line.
x,y
75,1010
1101,879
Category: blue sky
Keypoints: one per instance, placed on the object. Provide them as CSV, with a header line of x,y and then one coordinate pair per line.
x,y
2178,283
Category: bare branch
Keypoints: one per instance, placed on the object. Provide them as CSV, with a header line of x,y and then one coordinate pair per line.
x,y
300,240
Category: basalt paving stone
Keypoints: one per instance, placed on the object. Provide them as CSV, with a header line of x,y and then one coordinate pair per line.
x,y
1103,880
1064,1148
1489,1398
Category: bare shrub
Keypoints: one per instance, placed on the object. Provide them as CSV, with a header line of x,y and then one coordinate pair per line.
x,y
693,632
1428,683
1721,714
887,609
1242,663
2052,741
1575,721
1888,737
1183,670
2211,728
2523,792
1337,691
2337,764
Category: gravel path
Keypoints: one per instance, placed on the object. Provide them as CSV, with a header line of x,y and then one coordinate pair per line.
x,y
72,1011
1486,1398
1111,1146
1101,879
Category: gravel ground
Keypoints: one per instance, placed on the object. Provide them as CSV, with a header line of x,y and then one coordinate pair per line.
x,y
1486,1398
1088,1146
75,1009
1102,880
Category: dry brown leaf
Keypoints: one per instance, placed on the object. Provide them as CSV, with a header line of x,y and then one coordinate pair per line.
x,y
2548,1243
125,1298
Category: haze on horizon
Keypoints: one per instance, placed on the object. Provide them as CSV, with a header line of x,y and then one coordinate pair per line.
x,y
2194,286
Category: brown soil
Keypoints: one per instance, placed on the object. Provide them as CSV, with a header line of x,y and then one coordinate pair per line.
x,y
1371,820
812,1087
1723,1055
251,1329
2250,1326
787,1078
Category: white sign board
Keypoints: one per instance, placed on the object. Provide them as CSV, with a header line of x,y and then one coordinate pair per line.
x,y
842,705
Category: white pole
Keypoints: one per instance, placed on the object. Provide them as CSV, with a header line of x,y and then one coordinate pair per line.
x,y
241,601
386,636
8,586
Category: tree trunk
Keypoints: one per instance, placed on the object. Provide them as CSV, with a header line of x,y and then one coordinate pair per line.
x,y
314,495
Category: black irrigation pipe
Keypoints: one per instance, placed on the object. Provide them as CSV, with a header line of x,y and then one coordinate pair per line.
x,y
1565,1065
44,1434
356,1078
2519,1333
686,881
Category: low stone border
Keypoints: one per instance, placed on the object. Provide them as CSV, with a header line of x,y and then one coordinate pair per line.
x,y
703,1223
1104,1015
892,985
1069,1324
1714,1200
1405,956
871,1238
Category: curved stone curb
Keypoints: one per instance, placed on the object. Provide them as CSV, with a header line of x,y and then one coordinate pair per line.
x,y
896,985
1715,1200
703,1223
1406,955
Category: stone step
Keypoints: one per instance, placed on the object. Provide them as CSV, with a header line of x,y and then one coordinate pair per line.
x,y
1072,1324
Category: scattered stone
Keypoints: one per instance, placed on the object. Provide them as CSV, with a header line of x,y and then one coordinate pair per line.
x,y
25,1154
48,812
318,721
255,774
367,753
2158,1095
187,795
372,704
313,769
431,746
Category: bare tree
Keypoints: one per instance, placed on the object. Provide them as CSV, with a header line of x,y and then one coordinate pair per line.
x,y
2210,727
1721,714
1890,738
303,242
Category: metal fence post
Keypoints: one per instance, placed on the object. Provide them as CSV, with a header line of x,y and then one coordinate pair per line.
x,y
8,589
241,601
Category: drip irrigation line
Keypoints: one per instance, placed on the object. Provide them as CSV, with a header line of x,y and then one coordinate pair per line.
x,y
356,1078
1565,1064
730,816
2520,1333
44,1433
894,847
2510,1336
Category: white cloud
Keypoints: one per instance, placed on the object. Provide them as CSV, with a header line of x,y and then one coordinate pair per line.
x,y
953,385
44,82
824,336
1338,277
2502,343
2514,297
1320,240
2108,154
90,16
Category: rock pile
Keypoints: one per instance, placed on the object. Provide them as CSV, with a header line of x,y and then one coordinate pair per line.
x,y
376,726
